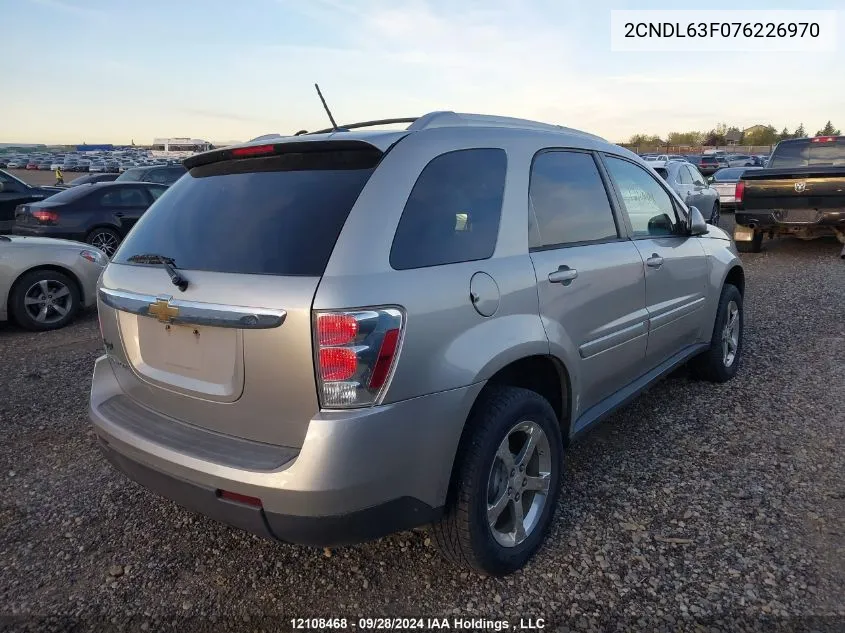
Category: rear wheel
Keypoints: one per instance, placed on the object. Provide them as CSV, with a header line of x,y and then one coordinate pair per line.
x,y
754,246
107,240
721,361
505,483
44,300
715,215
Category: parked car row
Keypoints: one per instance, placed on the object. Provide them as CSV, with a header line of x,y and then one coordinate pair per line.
x,y
96,162
709,162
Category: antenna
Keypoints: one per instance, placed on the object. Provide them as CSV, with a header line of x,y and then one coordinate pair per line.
x,y
329,112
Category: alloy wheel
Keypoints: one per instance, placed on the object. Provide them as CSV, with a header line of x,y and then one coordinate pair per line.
x,y
105,241
518,484
730,335
48,301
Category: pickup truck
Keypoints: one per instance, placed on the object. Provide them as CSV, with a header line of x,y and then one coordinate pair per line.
x,y
14,191
800,193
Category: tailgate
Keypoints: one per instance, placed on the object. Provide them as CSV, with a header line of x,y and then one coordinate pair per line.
x,y
231,351
806,188
185,356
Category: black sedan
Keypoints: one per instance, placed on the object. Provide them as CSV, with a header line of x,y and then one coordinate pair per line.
x,y
14,192
100,214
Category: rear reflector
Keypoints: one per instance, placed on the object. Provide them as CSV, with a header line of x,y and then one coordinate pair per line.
x,y
385,359
254,150
239,498
740,190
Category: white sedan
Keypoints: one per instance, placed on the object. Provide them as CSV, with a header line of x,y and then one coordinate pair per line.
x,y
44,282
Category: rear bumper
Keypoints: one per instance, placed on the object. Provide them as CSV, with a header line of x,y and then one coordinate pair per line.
x,y
354,527
792,219
360,474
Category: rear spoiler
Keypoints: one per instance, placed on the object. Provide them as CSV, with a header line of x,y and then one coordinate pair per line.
x,y
299,145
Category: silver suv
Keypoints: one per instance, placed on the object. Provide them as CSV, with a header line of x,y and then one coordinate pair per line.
x,y
329,337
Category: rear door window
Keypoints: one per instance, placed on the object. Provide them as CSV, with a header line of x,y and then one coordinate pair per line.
x,y
453,212
568,201
124,197
276,215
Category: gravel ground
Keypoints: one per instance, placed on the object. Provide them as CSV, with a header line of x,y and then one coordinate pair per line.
x,y
698,504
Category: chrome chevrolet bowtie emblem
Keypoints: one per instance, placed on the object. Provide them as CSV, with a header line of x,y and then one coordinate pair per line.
x,y
162,310
800,187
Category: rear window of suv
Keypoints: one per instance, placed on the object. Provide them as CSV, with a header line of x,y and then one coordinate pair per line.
x,y
808,153
276,215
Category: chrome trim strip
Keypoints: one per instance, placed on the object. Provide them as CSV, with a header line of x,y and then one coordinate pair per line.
x,y
604,343
675,313
195,312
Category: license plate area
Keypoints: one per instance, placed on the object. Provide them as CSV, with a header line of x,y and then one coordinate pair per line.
x,y
798,216
201,361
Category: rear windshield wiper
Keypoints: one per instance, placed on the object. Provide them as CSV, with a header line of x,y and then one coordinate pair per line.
x,y
169,265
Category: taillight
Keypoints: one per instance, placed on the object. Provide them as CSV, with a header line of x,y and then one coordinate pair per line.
x,y
46,216
740,190
355,353
254,150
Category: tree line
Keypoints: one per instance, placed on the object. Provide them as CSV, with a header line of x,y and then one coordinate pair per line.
x,y
759,135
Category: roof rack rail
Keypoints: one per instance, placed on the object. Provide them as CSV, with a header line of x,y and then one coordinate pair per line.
x,y
447,118
353,126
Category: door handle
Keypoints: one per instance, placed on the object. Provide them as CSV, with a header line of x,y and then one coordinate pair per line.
x,y
563,275
119,214
655,261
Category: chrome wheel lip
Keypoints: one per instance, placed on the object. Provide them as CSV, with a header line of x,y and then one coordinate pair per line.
x,y
731,334
47,301
106,242
518,484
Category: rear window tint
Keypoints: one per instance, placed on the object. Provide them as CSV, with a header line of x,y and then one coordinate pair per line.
x,y
806,153
278,215
728,175
453,212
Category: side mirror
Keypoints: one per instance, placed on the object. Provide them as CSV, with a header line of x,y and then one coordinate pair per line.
x,y
695,222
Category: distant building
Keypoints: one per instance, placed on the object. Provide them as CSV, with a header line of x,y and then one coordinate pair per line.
x,y
178,147
754,128
733,137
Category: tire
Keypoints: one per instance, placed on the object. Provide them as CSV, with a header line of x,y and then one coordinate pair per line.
x,y
715,364
754,246
715,215
34,309
107,240
463,535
